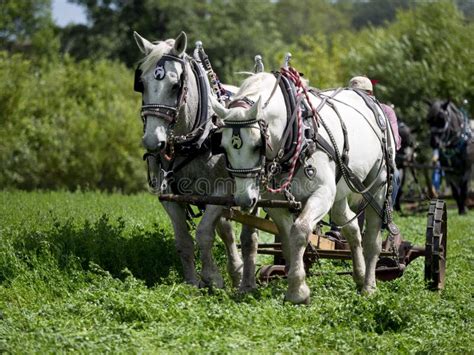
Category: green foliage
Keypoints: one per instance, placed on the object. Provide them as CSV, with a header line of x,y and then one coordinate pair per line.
x,y
377,12
233,32
51,300
68,125
319,58
27,26
426,53
112,242
297,18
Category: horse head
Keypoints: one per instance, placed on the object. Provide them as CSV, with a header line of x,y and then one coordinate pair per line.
x,y
243,143
445,123
161,78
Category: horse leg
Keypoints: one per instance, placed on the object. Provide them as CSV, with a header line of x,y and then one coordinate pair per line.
x,y
340,214
234,262
249,241
463,193
183,241
372,245
210,275
283,219
316,207
456,189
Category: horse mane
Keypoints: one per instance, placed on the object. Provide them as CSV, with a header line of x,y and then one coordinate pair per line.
x,y
254,83
161,48
250,86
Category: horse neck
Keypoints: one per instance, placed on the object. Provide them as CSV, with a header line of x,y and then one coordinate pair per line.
x,y
455,126
187,115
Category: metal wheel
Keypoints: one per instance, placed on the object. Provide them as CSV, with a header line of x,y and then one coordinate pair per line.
x,y
271,272
435,249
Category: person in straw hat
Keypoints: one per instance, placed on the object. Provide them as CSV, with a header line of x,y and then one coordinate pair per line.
x,y
365,84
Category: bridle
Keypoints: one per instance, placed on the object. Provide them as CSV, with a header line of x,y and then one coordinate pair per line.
x,y
443,135
259,170
165,112
266,170
191,144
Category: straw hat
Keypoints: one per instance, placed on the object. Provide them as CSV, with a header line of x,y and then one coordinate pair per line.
x,y
362,83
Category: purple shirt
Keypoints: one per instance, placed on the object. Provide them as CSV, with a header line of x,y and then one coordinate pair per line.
x,y
392,118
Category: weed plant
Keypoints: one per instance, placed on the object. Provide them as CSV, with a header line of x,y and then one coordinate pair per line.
x,y
94,272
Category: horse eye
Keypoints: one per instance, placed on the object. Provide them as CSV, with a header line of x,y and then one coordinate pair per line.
x,y
175,87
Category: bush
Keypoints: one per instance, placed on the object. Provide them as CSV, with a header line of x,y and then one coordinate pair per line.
x,y
68,125
427,53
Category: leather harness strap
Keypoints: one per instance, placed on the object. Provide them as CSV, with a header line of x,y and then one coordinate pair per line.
x,y
342,166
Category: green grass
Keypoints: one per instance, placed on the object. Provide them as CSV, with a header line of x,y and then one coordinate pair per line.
x,y
94,272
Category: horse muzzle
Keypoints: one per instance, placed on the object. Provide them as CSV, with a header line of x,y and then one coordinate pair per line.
x,y
246,203
152,144
246,195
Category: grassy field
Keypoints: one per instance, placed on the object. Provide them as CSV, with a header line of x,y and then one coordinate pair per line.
x,y
92,272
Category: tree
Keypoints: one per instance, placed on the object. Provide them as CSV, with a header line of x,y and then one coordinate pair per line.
x,y
27,26
377,12
233,32
426,53
298,18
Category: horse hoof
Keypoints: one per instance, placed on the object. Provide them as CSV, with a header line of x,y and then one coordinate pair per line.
x,y
194,283
302,296
211,284
367,291
305,302
236,280
247,289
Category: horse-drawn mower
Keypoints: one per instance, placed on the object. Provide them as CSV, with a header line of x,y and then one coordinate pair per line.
x,y
395,256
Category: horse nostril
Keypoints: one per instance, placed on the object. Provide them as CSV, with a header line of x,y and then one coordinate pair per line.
x,y
153,145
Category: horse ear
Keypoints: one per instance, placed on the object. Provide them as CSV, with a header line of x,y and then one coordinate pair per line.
x,y
254,110
180,44
143,44
218,108
445,104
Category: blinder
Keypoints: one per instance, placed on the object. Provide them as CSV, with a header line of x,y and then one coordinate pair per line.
x,y
216,139
138,83
237,144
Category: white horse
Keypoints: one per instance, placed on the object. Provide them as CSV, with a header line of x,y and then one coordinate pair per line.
x,y
173,126
314,183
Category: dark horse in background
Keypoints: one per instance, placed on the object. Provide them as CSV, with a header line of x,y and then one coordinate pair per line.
x,y
405,156
450,133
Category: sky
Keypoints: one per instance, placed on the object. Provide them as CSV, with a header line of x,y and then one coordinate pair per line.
x,y
64,13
